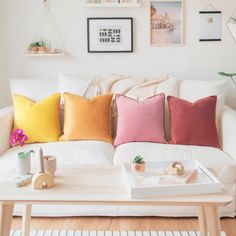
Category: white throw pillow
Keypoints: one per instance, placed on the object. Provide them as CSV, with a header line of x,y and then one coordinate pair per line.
x,y
73,84
35,89
192,90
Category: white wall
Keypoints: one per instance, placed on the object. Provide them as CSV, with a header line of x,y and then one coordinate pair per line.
x,y
194,60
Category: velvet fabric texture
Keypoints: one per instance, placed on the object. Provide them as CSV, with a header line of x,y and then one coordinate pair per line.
x,y
39,120
193,123
87,119
140,121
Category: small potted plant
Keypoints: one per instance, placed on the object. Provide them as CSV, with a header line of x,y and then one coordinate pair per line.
x,y
34,47
23,159
138,164
42,48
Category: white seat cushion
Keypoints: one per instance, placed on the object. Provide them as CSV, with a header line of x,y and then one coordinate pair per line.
x,y
67,153
212,158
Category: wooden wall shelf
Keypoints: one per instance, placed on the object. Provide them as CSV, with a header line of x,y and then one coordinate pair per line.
x,y
45,54
115,5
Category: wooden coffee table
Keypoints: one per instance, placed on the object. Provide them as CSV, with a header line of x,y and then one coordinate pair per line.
x,y
102,185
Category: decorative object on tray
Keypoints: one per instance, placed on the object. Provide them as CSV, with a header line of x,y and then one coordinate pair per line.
x,y
210,24
166,22
110,35
42,179
138,164
18,137
229,75
50,164
152,183
231,24
175,168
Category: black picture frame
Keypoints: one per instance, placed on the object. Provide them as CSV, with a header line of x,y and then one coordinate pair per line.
x,y
206,39
110,18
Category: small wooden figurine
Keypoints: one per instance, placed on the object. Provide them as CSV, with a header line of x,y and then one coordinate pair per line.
x,y
42,179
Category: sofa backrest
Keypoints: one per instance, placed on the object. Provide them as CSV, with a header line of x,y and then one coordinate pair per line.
x,y
190,90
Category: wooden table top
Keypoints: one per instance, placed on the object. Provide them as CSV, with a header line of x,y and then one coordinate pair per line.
x,y
98,185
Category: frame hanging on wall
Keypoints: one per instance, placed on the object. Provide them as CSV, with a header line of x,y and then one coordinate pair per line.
x,y
210,24
231,24
110,35
166,22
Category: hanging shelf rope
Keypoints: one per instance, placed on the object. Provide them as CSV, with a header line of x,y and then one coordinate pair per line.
x,y
53,51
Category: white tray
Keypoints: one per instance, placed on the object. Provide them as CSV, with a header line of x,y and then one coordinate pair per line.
x,y
205,183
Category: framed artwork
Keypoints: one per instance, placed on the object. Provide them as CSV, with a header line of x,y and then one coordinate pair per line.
x,y
110,35
210,26
231,24
166,22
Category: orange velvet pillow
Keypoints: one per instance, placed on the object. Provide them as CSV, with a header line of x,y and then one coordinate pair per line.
x,y
87,119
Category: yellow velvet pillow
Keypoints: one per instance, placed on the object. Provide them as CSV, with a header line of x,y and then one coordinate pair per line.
x,y
87,119
39,120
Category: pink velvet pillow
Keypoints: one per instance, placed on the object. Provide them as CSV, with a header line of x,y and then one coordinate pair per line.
x,y
193,123
140,121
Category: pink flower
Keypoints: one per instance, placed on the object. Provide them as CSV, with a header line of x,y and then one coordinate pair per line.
x,y
18,137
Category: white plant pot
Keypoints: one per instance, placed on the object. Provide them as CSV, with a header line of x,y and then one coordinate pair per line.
x,y
24,165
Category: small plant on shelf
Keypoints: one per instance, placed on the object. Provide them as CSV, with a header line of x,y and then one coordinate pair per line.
x,y
43,48
34,47
39,47
138,164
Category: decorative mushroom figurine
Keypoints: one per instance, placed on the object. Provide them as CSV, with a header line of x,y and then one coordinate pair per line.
x,y
175,168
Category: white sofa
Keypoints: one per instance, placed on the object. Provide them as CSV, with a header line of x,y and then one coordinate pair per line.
x,y
221,162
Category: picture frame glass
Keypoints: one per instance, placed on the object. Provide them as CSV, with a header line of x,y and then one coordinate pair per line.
x,y
166,22
110,34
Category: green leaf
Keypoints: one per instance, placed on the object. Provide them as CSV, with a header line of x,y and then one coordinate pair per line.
x,y
227,74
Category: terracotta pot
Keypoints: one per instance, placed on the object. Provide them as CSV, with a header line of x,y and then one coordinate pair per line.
x,y
138,168
42,49
34,49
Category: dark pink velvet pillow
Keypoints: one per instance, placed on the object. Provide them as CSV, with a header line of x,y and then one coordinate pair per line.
x,y
193,123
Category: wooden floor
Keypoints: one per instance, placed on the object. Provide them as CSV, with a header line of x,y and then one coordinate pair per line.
x,y
123,223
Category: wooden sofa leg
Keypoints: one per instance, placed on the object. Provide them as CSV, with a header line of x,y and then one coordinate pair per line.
x,y
6,218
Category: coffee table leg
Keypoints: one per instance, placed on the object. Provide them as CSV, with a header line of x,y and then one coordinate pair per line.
x,y
202,221
6,218
213,220
26,218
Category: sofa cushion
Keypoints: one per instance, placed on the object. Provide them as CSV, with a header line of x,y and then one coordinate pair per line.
x,y
192,90
39,120
193,123
67,153
72,84
141,121
87,119
212,158
36,89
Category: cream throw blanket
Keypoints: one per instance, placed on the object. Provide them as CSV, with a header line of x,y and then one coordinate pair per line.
x,y
134,87
131,86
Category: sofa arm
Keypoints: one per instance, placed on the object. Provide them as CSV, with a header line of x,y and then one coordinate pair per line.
x,y
6,124
228,131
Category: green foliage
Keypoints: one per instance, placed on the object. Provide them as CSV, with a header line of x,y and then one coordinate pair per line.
x,y
228,75
42,43
138,160
22,155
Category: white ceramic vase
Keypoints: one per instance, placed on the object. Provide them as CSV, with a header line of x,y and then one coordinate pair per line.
x,y
24,165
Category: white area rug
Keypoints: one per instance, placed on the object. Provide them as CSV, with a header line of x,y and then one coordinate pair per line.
x,y
108,233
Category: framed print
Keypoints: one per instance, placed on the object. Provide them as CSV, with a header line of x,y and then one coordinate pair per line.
x,y
110,35
210,26
166,22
